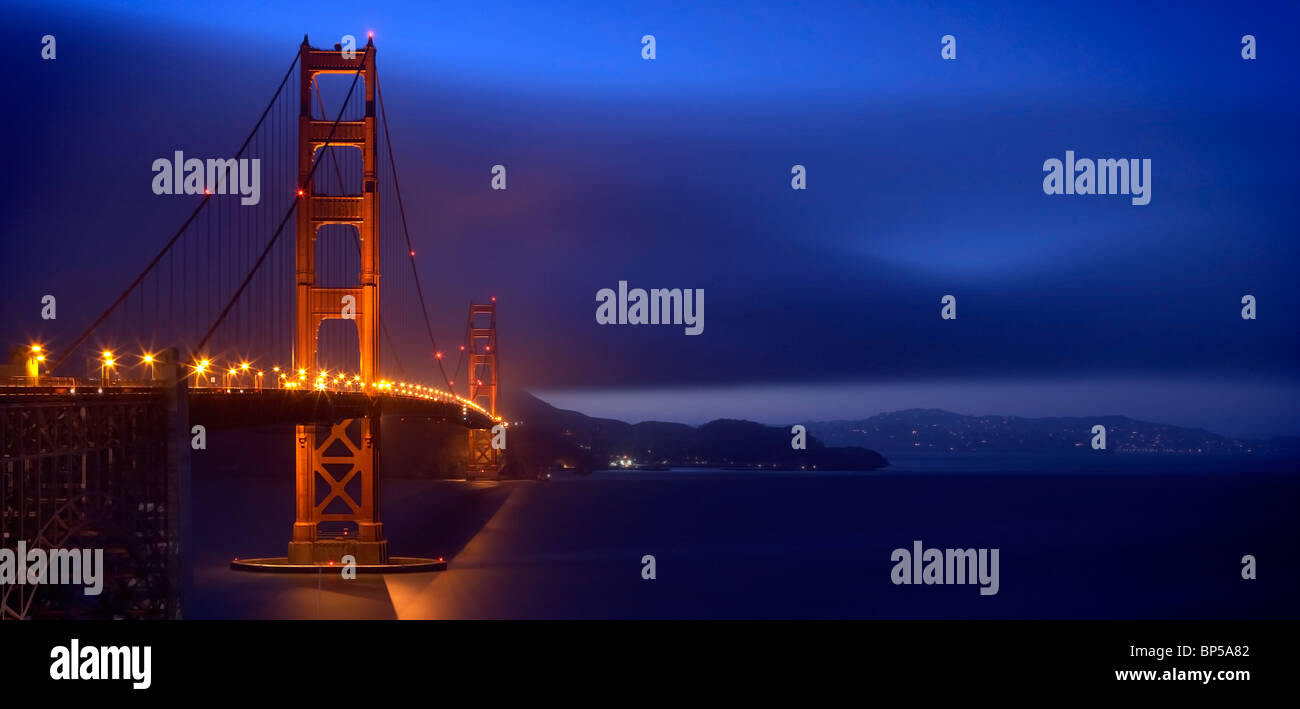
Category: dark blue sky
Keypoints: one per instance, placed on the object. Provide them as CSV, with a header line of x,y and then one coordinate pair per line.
x,y
924,179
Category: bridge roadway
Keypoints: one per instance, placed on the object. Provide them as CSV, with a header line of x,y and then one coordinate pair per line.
x,y
218,408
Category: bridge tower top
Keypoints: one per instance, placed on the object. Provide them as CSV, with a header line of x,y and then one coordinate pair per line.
x,y
482,348
357,207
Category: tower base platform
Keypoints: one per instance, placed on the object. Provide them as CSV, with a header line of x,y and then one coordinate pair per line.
x,y
394,565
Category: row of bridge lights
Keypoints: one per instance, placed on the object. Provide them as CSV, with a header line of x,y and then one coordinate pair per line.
x,y
325,381
107,362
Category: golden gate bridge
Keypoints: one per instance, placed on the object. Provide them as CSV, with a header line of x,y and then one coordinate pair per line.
x,y
96,434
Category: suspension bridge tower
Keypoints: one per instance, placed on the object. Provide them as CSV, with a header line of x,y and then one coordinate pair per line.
x,y
333,459
483,462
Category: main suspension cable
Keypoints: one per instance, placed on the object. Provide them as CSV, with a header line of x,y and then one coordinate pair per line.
x,y
172,241
397,188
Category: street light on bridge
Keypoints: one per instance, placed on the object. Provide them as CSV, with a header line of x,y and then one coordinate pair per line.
x,y
106,367
201,371
34,361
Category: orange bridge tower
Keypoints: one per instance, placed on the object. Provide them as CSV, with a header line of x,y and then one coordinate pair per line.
x,y
483,462
337,471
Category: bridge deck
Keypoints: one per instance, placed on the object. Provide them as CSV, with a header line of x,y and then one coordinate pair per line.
x,y
237,408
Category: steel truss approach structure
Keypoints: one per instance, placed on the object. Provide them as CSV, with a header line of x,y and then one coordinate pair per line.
x,y
90,471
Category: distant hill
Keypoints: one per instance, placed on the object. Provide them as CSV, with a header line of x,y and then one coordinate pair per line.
x,y
939,430
550,433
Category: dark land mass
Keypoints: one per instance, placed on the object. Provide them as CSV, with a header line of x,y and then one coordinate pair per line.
x,y
939,430
550,437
